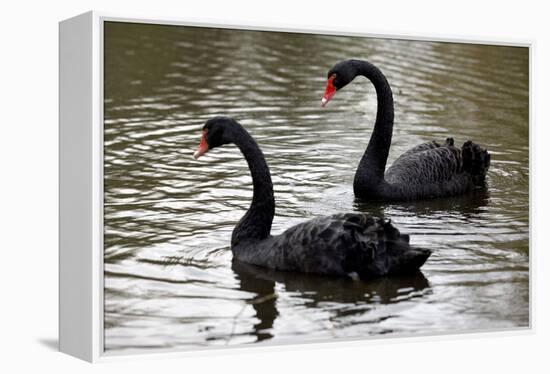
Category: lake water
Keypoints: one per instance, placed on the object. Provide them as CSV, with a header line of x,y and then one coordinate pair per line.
x,y
169,277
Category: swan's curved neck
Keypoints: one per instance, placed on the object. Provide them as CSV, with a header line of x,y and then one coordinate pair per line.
x,y
373,163
256,223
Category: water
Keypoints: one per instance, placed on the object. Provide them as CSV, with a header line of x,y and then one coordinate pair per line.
x,y
169,278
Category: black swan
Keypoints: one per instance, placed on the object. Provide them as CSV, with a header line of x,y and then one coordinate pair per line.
x,y
351,244
428,170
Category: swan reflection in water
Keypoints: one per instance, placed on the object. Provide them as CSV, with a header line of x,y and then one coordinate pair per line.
x,y
465,207
316,289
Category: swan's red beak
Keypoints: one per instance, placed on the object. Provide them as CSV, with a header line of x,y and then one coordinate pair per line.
x,y
203,146
329,91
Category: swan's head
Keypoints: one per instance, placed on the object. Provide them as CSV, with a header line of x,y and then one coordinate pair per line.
x,y
216,132
338,77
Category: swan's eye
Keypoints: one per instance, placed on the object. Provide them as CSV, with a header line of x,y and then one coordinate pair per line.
x,y
333,79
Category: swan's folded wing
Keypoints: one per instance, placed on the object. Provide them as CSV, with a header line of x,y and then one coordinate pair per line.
x,y
345,244
336,244
319,245
419,148
429,166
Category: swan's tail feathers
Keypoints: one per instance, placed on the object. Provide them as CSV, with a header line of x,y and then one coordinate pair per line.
x,y
411,261
401,257
386,252
476,161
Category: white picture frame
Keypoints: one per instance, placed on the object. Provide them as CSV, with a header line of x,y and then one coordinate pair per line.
x,y
81,171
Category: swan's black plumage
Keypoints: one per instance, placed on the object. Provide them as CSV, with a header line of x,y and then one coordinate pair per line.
x,y
426,171
343,244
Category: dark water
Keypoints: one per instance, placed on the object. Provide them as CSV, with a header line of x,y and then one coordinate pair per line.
x,y
169,279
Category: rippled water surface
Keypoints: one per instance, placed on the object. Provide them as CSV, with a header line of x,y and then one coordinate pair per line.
x,y
169,278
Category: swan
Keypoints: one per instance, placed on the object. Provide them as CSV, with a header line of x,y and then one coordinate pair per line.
x,y
428,170
352,245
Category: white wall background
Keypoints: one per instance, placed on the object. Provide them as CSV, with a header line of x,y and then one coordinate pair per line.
x,y
28,188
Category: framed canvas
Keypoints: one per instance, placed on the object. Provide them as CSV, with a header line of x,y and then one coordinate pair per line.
x,y
247,185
